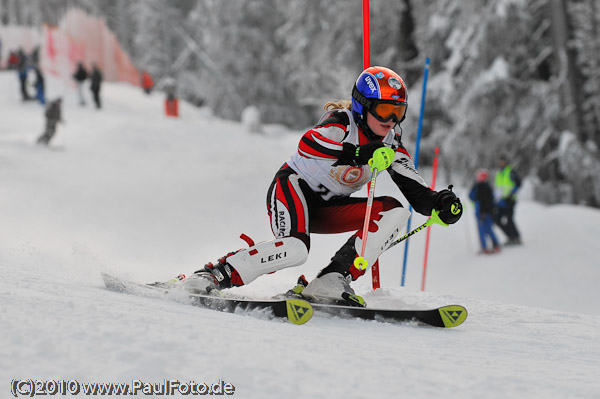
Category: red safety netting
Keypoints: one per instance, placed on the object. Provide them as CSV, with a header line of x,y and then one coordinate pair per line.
x,y
79,37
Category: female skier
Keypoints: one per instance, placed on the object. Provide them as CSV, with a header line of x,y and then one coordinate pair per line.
x,y
311,194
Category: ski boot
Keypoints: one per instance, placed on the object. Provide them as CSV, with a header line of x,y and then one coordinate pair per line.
x,y
333,287
167,284
212,277
296,291
333,282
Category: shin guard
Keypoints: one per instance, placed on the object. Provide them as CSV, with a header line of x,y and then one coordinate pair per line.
x,y
267,257
388,227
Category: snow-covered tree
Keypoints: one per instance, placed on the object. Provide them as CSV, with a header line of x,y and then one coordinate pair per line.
x,y
515,77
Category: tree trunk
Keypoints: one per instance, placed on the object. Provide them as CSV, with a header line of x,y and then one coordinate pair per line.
x,y
595,67
567,77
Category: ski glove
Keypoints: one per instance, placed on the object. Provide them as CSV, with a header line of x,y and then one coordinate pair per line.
x,y
357,155
449,206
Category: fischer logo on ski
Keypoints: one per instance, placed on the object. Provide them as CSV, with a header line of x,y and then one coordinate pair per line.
x,y
298,311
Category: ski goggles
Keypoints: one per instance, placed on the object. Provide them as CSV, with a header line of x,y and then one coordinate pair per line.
x,y
386,111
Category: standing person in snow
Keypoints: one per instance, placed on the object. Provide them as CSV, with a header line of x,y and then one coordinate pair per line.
x,y
311,194
147,82
53,116
507,184
96,82
13,60
80,76
39,86
482,194
171,102
22,73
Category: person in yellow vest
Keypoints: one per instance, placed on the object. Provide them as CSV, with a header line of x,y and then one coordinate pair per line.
x,y
507,184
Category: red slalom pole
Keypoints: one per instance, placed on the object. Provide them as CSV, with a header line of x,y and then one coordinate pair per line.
x,y
366,37
366,64
435,167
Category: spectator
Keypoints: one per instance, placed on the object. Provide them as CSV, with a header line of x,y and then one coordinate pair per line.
x,y
13,60
507,184
483,196
39,86
96,82
147,82
171,102
35,56
22,72
80,76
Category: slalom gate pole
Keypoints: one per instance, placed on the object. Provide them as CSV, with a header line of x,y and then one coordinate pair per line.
x,y
366,35
425,75
366,64
435,167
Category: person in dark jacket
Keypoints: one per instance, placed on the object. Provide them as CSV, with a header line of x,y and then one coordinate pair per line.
x,y
96,82
53,116
80,76
483,196
507,184
22,72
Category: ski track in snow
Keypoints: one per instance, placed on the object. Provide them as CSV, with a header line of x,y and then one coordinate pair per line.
x,y
127,191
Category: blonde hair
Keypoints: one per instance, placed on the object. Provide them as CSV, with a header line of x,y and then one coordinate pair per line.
x,y
338,104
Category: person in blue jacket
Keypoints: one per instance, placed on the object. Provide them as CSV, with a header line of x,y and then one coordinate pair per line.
x,y
483,196
507,184
40,92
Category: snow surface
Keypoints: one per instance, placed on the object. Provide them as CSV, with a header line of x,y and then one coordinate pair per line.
x,y
131,192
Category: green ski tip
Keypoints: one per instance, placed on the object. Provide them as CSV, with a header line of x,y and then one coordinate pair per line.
x,y
298,311
453,315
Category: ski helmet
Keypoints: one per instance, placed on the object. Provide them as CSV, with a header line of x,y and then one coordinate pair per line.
x,y
381,92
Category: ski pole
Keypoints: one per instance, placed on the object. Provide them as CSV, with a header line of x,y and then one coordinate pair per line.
x,y
434,219
361,263
382,159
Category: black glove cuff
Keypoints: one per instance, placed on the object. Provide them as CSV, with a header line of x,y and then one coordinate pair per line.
x,y
347,156
443,198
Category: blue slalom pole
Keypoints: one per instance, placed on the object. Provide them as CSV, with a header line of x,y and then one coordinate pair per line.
x,y
426,73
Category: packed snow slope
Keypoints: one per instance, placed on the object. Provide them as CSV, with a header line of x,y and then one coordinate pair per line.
x,y
131,192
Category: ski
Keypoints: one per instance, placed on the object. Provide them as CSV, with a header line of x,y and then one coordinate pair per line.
x,y
299,311
445,316
296,311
